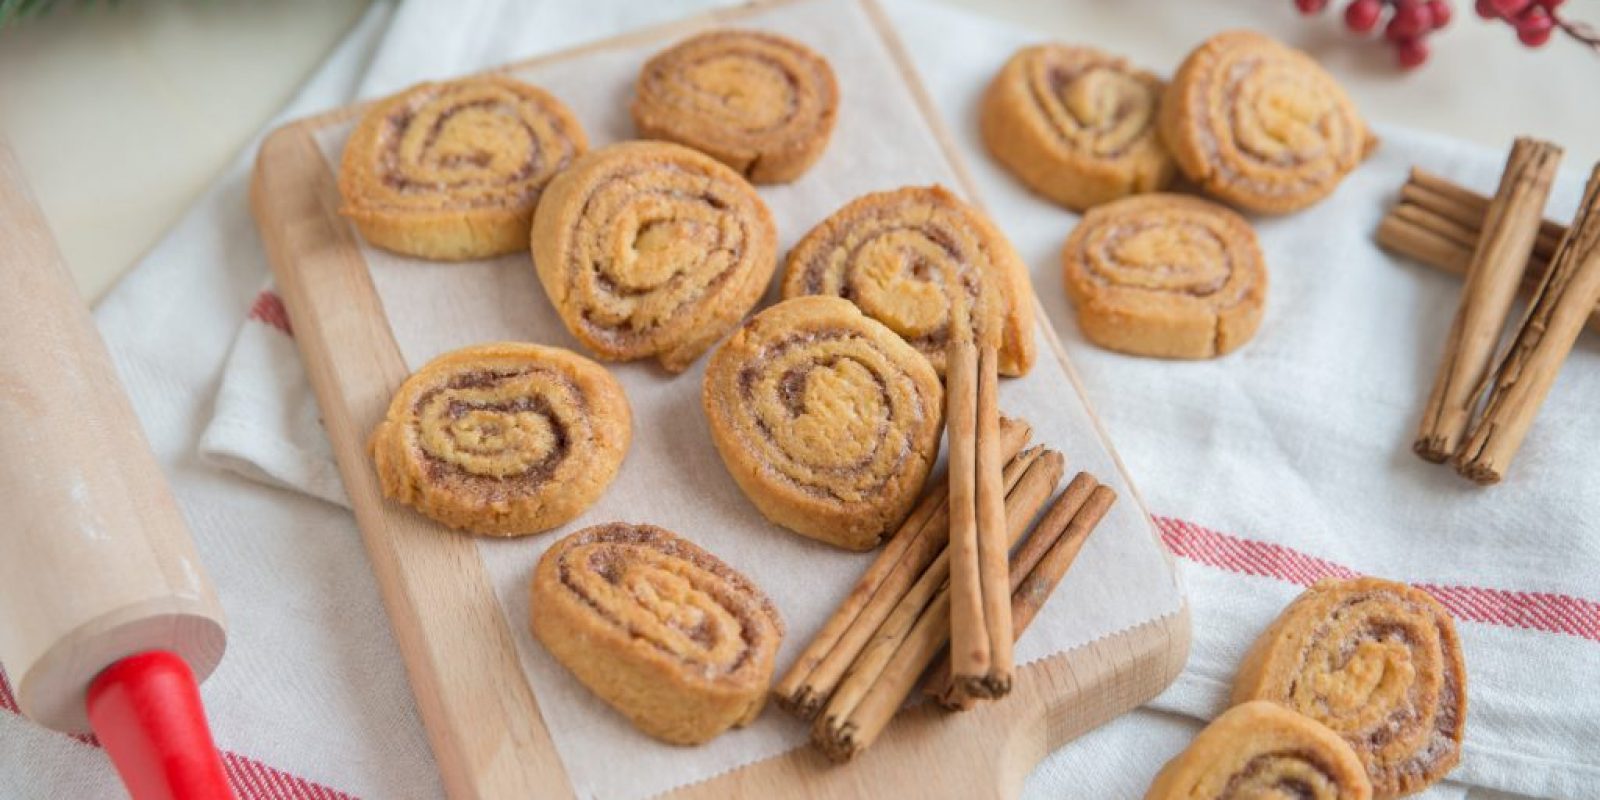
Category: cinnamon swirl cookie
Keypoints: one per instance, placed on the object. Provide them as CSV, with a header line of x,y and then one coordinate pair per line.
x,y
1380,664
1165,275
1076,125
1260,125
1262,750
503,439
925,264
650,249
758,102
827,420
658,628
453,170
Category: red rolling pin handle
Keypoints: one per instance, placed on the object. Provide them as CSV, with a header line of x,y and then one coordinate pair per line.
x,y
146,710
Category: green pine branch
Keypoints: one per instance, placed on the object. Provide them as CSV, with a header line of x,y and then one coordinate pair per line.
x,y
15,11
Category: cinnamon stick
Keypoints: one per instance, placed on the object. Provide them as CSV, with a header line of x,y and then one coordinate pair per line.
x,y
1564,299
1443,207
1414,231
994,584
1439,225
1510,227
967,631
808,684
1067,519
1400,229
917,630
1442,195
1035,588
857,672
1419,243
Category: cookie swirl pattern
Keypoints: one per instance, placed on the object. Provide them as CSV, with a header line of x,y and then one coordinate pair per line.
x,y
454,170
827,420
503,439
650,249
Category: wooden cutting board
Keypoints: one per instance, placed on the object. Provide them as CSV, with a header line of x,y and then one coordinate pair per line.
x,y
481,714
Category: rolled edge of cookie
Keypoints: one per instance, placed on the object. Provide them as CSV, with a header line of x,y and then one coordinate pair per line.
x,y
1076,125
651,249
1224,112
761,103
1318,657
929,266
453,171
826,419
1262,749
657,627
504,439
1165,276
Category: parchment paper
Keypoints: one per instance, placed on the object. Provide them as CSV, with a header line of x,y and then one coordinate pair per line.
x,y
673,477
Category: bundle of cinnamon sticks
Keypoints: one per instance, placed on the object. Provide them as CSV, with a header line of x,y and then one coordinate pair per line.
x,y
859,670
1503,245
1436,223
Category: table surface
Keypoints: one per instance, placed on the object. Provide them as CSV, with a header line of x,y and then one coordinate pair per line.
x,y
184,85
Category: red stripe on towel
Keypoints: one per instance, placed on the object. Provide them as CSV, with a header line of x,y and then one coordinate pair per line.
x,y
1546,612
268,308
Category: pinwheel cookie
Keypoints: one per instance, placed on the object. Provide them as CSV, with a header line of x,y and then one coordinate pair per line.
x,y
1380,664
1262,750
925,264
1076,125
1260,125
758,102
650,249
827,420
1165,275
658,628
503,439
453,170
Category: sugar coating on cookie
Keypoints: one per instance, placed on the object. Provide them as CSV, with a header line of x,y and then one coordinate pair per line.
x,y
453,171
927,265
827,420
1260,125
1165,275
1380,664
761,103
652,250
1263,750
662,630
1076,125
504,439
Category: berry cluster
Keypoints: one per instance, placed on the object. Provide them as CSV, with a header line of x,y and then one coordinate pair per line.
x,y
1535,20
1410,22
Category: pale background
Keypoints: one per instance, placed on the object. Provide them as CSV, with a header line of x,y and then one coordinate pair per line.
x,y
122,115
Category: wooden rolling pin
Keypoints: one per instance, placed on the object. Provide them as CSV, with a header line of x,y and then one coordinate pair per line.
x,y
106,615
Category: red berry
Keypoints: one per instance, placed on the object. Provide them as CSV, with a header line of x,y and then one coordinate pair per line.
x,y
1533,38
1534,18
1486,9
1509,8
1411,52
1440,11
1310,6
1408,22
1550,5
1361,16
1534,26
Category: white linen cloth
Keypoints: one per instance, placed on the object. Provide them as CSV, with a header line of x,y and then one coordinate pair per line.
x,y
1288,459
